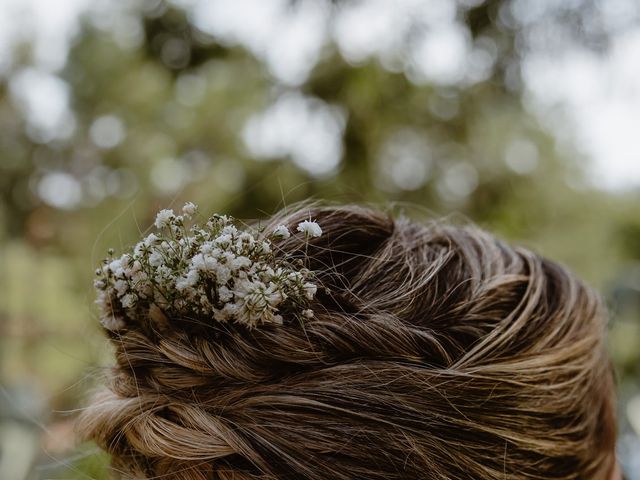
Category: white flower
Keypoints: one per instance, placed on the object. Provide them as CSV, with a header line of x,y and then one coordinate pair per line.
x,y
128,300
135,267
307,313
117,267
138,249
156,259
281,232
255,302
162,274
207,247
163,218
224,294
188,281
140,281
240,262
112,323
227,312
246,287
223,241
176,224
223,274
273,296
310,290
204,262
189,209
294,277
151,239
245,237
228,229
120,286
310,229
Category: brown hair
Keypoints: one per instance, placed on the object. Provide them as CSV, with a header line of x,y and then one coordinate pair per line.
x,y
436,352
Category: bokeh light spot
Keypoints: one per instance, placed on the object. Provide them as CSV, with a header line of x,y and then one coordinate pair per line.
x,y
304,128
60,190
107,131
521,156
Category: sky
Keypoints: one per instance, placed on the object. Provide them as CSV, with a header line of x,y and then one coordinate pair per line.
x,y
591,102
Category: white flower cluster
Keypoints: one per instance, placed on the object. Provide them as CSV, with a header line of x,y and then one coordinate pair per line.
x,y
212,272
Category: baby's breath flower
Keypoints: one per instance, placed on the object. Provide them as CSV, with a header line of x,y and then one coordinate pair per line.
x,y
128,300
310,229
224,294
155,259
214,272
120,286
188,281
189,209
151,240
113,323
265,247
163,218
294,277
116,267
224,240
310,290
241,262
281,232
223,274
204,262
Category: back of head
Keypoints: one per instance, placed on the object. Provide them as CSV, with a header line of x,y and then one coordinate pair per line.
x,y
435,352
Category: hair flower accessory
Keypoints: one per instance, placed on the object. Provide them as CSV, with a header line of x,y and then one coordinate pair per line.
x,y
214,272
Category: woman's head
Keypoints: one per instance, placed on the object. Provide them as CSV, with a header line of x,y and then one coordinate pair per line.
x,y
434,352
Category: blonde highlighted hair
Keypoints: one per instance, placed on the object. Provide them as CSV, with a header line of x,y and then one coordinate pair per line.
x,y
435,352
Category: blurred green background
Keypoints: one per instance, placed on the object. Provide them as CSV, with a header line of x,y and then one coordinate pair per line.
x,y
519,115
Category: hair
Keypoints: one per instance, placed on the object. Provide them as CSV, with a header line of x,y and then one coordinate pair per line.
x,y
436,352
